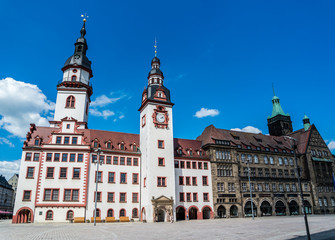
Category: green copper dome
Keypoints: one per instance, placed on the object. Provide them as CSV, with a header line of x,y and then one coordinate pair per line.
x,y
276,108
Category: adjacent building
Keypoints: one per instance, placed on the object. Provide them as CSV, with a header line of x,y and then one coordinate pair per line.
x,y
6,198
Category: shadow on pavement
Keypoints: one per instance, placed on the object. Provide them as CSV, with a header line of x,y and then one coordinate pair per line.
x,y
326,235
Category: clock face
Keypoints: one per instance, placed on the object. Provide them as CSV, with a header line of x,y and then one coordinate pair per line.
x,y
160,117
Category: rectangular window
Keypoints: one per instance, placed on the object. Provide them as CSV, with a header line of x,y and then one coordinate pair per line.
x,y
305,187
188,181
161,162
56,157
99,176
28,156
267,187
123,178
274,187
181,180
122,160
110,197
128,161
76,173
62,172
71,195
194,165
135,161
176,164
205,166
188,165
66,140
30,172
244,187
199,165
188,197
74,140
36,156
58,140
80,157
102,159
98,195
195,197
50,172
135,178
182,164
94,158
111,177
204,180
182,197
161,181
51,194
72,157
27,195
64,157
160,144
49,157
123,197
115,160
108,160
206,199
260,187
231,187
194,181
135,197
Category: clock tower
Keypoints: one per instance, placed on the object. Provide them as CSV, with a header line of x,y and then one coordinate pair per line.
x,y
157,153
74,90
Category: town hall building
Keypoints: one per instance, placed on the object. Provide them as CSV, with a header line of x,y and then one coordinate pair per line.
x,y
155,177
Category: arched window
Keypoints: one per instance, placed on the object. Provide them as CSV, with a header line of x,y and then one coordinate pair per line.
x,y
280,160
98,212
122,212
291,161
69,215
70,102
135,213
109,145
110,213
49,215
73,78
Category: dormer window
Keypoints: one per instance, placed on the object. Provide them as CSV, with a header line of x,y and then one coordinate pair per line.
x,y
258,148
37,142
276,149
239,146
191,153
73,78
95,144
179,151
109,145
248,147
160,94
134,148
284,151
267,149
122,146
200,153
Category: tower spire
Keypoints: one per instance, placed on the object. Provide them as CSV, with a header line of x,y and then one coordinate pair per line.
x,y
155,47
273,89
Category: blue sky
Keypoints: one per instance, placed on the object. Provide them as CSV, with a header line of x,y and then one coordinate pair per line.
x,y
219,55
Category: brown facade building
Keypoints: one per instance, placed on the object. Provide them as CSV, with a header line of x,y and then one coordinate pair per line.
x,y
270,162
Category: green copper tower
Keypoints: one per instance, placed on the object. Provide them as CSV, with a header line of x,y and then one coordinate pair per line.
x,y
279,123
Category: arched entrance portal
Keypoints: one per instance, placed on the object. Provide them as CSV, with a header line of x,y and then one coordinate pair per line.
x,y
193,213
221,212
308,207
294,208
24,216
161,215
266,208
233,211
180,214
248,210
206,213
280,208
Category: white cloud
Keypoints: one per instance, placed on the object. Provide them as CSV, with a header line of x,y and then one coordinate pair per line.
x,y
8,168
248,129
21,104
103,100
105,113
6,141
205,112
331,145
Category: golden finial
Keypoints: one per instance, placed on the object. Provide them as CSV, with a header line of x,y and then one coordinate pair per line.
x,y
84,16
155,47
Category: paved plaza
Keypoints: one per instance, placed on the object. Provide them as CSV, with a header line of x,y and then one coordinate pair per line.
x,y
322,228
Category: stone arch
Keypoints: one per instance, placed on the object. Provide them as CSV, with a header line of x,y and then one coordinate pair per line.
x,y
233,211
308,207
293,207
280,207
248,210
161,214
24,215
193,212
207,212
221,212
266,208
181,213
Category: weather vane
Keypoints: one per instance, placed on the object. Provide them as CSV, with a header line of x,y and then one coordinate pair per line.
x,y
155,47
84,16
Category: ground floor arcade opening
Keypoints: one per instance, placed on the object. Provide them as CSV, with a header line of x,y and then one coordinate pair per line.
x,y
24,216
193,213
280,208
266,208
221,212
206,213
180,214
248,210
308,207
233,211
293,207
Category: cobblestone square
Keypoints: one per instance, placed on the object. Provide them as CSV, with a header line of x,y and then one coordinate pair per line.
x,y
321,227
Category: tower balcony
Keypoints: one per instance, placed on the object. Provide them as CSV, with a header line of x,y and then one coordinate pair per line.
x,y
78,83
